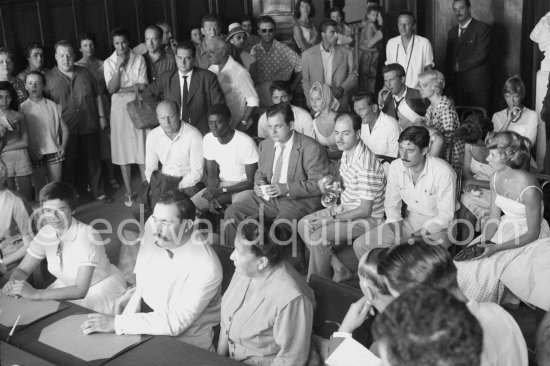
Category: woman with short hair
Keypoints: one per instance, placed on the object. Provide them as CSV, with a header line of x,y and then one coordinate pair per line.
x,y
34,53
6,70
305,33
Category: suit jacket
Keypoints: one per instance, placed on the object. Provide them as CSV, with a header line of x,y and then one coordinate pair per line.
x,y
308,163
204,91
418,104
471,51
344,71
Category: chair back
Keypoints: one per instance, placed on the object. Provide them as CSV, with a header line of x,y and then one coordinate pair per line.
x,y
228,267
333,301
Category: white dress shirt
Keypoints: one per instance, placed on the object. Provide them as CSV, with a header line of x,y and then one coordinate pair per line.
x,y
432,197
303,123
180,157
326,58
183,291
286,158
503,342
237,87
414,58
382,140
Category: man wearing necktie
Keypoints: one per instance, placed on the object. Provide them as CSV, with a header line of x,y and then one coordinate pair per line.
x,y
285,183
468,58
192,88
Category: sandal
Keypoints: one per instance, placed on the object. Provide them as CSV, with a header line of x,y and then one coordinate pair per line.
x,y
129,199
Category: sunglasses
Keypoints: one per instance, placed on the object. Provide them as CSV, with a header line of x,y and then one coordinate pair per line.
x,y
267,30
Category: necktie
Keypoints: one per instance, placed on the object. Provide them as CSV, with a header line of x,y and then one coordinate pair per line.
x,y
278,166
461,31
397,102
184,110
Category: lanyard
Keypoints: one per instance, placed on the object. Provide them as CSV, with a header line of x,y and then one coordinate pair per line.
x,y
410,55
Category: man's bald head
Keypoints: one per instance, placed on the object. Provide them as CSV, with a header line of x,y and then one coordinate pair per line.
x,y
168,116
218,50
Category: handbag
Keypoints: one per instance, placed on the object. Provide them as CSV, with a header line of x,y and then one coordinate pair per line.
x,y
143,115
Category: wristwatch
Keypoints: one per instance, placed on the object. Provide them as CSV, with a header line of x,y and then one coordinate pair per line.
x,y
224,190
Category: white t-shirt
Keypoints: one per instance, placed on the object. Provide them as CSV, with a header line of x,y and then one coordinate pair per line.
x,y
231,157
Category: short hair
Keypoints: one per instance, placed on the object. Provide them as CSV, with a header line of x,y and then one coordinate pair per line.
x,y
327,23
436,77
369,97
297,8
475,128
264,240
31,46
6,51
418,135
429,327
266,19
368,269
157,29
407,13
59,191
399,70
374,7
120,32
6,85
37,73
220,110
407,266
466,2
86,35
514,85
282,108
337,9
211,18
247,18
513,148
280,85
186,208
63,43
356,121
186,45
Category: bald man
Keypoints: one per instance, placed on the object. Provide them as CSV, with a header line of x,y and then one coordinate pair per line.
x,y
235,81
178,147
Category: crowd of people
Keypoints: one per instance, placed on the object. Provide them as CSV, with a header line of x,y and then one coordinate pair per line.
x,y
394,169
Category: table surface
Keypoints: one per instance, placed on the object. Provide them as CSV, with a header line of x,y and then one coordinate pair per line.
x,y
157,350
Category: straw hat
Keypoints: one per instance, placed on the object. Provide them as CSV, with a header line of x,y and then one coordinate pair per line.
x,y
234,28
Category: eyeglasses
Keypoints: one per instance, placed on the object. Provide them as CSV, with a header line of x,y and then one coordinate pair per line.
x,y
267,30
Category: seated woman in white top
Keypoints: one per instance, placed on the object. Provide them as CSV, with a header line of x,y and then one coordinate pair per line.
x,y
75,255
518,118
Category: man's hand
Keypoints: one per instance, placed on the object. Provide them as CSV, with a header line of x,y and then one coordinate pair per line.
x,y
98,323
337,91
316,222
211,193
213,206
258,191
356,315
324,182
35,154
61,153
277,189
383,95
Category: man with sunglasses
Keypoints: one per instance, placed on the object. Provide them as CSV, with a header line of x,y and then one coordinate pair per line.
x,y
274,61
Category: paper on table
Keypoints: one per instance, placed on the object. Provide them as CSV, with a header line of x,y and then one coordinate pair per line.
x,y
30,310
352,353
66,336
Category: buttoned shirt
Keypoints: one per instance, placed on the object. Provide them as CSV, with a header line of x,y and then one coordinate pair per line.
x,y
77,96
414,58
326,58
237,87
382,140
503,342
183,291
303,123
165,62
363,179
433,194
180,157
277,64
286,158
201,55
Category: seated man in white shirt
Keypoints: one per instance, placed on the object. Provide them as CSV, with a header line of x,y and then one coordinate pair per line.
x,y
426,184
385,274
177,146
280,93
178,280
231,159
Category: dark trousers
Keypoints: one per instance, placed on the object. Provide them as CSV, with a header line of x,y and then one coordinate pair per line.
x,y
83,149
477,98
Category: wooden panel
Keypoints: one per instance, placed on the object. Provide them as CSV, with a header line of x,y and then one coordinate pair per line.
x,y
231,11
189,14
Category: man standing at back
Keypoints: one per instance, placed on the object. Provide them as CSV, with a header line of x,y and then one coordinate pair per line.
x,y
468,58
192,88
331,64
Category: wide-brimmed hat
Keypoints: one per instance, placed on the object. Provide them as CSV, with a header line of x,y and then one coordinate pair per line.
x,y
234,28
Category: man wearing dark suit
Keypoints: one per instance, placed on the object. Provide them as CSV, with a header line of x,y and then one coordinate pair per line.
x,y
331,64
468,47
395,92
285,183
192,88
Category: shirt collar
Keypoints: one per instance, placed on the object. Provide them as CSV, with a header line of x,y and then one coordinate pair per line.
x,y
403,96
329,51
465,25
188,74
182,127
427,167
358,152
